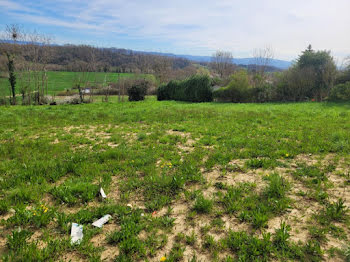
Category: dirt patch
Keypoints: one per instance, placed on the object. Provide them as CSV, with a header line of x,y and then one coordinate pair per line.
x,y
307,159
112,145
37,239
299,218
339,190
71,257
186,147
109,253
100,239
113,192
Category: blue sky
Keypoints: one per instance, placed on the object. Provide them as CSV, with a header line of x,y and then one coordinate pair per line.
x,y
197,27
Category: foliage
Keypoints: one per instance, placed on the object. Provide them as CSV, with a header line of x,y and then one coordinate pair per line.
x,y
295,84
324,68
138,90
250,248
203,205
194,89
340,92
238,90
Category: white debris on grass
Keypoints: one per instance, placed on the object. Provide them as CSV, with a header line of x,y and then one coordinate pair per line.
x,y
103,220
76,233
103,194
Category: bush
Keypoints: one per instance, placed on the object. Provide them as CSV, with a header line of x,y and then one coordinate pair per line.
x,y
340,92
194,89
262,94
238,90
138,90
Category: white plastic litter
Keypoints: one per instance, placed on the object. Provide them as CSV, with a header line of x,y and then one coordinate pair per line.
x,y
103,194
76,233
103,220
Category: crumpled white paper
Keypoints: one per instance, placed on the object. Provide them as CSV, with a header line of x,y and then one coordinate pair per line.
x,y
103,194
103,220
76,233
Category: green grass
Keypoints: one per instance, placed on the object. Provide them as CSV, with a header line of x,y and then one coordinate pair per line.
x,y
185,181
60,81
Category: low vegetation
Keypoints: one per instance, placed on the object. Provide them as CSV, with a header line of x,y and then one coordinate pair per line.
x,y
191,182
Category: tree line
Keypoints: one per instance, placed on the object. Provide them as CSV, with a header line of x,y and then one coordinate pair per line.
x,y
312,77
27,57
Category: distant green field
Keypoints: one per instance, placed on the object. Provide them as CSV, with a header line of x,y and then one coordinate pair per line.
x,y
59,81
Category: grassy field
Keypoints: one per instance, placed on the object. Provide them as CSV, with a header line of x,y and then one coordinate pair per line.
x,y
184,182
60,81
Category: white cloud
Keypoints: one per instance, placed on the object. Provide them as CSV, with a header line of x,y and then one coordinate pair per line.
x,y
201,27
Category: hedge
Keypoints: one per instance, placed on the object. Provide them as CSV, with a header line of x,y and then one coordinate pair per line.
x,y
195,89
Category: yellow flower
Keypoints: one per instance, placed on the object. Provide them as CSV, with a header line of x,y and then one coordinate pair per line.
x,y
45,210
287,155
163,259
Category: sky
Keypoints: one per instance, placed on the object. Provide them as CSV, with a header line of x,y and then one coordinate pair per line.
x,y
195,27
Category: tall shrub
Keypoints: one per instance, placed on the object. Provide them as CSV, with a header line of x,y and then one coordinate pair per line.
x,y
194,89
138,90
340,92
238,90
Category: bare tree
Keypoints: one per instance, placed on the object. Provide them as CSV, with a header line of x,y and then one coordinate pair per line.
x,y
38,51
162,68
83,76
222,63
262,60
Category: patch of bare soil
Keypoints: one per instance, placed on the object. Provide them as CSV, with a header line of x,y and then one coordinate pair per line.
x,y
92,133
339,190
48,199
71,257
37,239
112,145
130,137
180,211
188,146
299,218
238,162
307,159
114,193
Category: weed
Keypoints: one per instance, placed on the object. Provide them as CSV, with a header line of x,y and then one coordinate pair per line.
x,y
281,236
333,212
347,254
191,239
18,239
73,192
176,253
249,248
203,205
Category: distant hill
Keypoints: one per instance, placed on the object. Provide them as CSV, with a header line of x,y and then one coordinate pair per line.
x,y
281,64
